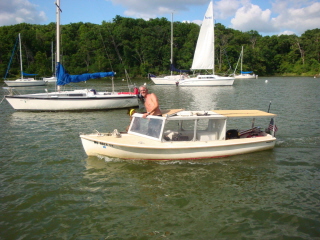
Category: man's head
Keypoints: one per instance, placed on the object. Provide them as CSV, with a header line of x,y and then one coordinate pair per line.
x,y
143,90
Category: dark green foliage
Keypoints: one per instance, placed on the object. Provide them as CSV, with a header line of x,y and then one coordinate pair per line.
x,y
143,47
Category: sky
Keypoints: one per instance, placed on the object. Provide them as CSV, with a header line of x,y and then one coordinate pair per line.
x,y
268,17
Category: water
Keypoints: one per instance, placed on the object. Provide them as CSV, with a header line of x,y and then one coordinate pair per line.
x,y
51,190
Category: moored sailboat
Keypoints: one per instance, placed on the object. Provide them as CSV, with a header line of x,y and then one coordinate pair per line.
x,y
53,78
204,56
75,100
244,75
171,79
22,81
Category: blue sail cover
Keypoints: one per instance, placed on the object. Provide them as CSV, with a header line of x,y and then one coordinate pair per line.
x,y
172,68
28,74
246,72
64,78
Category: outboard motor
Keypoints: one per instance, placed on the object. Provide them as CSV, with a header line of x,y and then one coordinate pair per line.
x,y
232,134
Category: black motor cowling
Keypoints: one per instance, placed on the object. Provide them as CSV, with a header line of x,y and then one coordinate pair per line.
x,y
232,134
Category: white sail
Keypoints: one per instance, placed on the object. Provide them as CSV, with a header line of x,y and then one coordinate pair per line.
x,y
204,53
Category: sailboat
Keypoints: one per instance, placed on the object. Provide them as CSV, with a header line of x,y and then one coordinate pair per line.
x,y
244,75
171,79
75,100
23,82
203,58
52,79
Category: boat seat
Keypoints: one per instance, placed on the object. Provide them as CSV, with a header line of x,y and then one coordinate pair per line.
x,y
206,135
175,136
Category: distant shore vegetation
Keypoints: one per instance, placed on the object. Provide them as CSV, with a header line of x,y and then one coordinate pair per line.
x,y
144,46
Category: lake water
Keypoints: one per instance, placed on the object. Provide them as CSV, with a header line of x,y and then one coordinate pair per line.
x,y
50,189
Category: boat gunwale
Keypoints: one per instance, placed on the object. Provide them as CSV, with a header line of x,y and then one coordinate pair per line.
x,y
218,143
57,97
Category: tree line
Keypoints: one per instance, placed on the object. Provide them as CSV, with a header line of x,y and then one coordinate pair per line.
x,y
143,46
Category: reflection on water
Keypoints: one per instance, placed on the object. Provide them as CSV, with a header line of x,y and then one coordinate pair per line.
x,y
190,98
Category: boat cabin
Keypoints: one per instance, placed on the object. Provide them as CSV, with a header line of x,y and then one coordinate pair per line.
x,y
193,126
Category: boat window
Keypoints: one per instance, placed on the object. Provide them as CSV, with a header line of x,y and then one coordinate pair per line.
x,y
203,124
179,130
146,126
186,125
76,95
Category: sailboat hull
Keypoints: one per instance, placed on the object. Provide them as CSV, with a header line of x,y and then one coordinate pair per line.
x,y
50,79
71,102
246,76
25,83
168,80
207,80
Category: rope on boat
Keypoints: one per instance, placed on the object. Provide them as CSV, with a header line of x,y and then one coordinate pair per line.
x,y
2,99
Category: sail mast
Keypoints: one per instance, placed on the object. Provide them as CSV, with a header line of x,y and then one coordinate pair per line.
x,y
171,59
241,59
58,9
21,69
52,59
213,50
58,30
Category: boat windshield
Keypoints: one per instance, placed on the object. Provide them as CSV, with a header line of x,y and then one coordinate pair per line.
x,y
147,127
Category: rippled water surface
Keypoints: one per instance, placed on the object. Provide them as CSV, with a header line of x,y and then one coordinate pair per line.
x,y
50,189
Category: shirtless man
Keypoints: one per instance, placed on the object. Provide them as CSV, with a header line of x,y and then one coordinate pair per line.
x,y
150,102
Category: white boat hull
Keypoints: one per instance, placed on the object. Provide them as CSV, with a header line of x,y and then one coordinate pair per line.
x,y
50,79
95,145
168,80
63,102
246,76
25,83
207,80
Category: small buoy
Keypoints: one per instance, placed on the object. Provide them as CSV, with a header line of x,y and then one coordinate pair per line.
x,y
266,81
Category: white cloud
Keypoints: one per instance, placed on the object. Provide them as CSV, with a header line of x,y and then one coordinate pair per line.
x,y
153,8
18,11
286,33
299,19
270,17
252,17
287,17
226,8
199,22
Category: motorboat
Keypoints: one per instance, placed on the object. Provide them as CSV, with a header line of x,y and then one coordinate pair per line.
x,y
184,135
